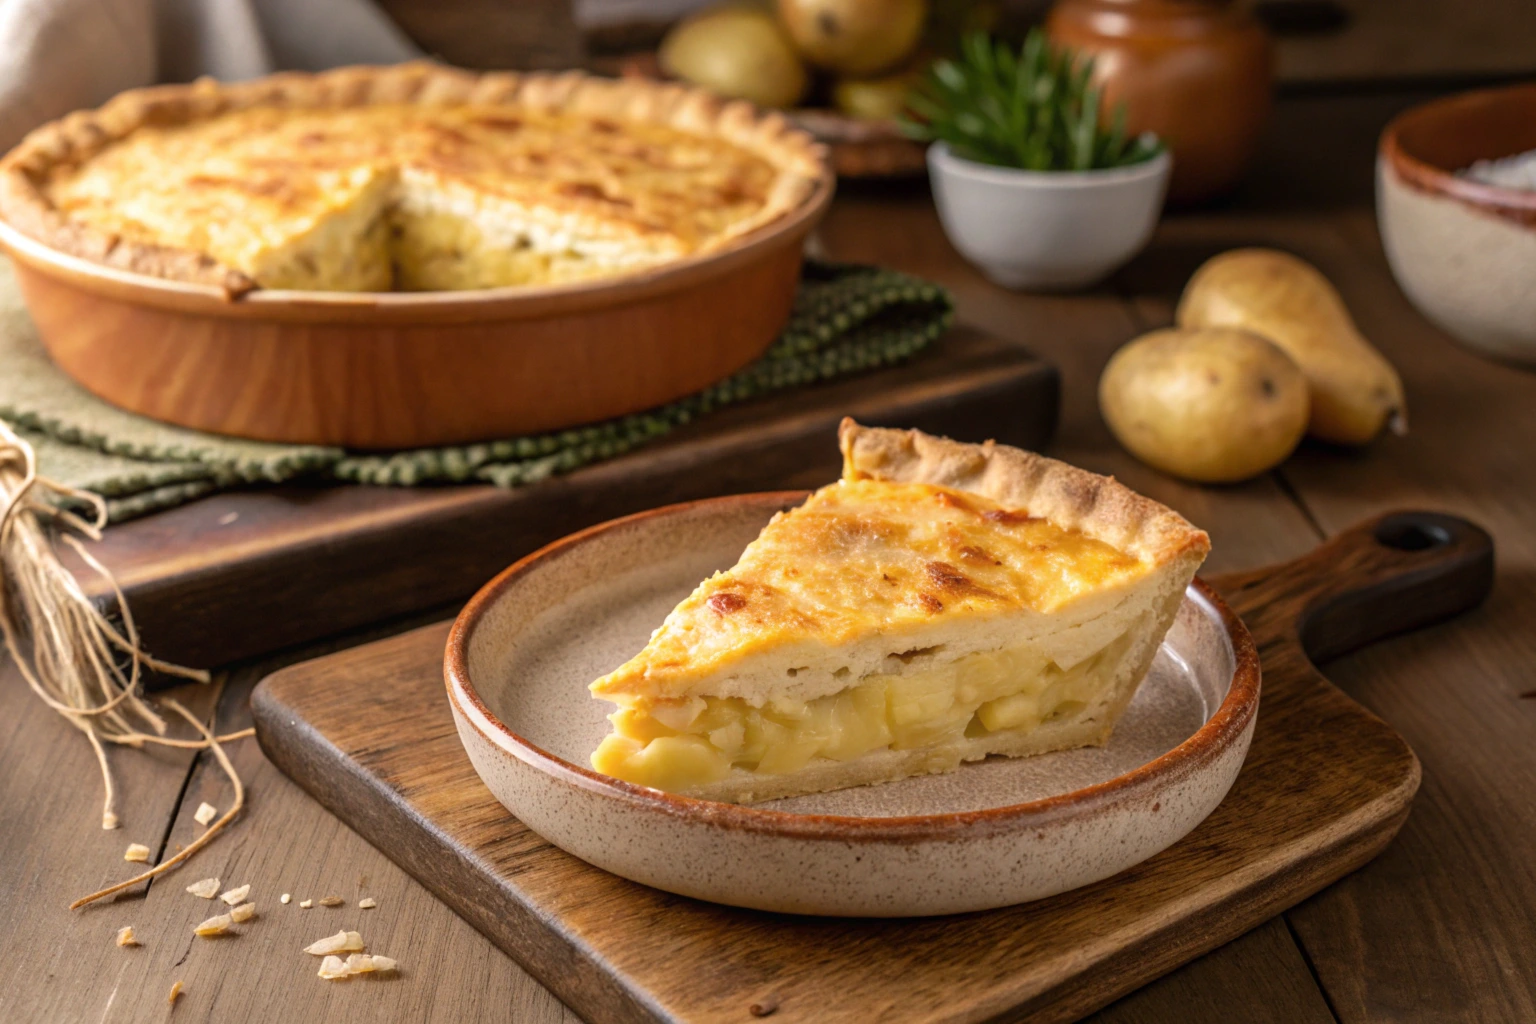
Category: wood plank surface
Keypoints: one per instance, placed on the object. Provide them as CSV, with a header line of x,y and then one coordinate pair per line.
x,y
242,573
57,962
1324,788
1262,972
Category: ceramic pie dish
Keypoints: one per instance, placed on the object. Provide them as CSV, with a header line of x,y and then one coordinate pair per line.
x,y
993,833
652,235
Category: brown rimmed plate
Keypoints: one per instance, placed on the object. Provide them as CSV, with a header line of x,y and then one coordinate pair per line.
x,y
995,833
408,370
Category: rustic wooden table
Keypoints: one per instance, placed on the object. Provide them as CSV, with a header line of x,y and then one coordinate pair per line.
x,y
1440,927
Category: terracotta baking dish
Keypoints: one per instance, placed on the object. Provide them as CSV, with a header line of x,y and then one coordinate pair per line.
x,y
405,370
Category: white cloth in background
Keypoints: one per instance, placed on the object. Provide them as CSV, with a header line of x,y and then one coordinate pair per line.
x,y
62,55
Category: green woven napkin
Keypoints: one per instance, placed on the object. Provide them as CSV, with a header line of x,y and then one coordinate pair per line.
x,y
846,319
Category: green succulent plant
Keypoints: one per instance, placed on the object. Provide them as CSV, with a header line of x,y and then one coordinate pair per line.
x,y
1033,108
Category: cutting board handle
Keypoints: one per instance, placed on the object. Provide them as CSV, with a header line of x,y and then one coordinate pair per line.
x,y
1386,575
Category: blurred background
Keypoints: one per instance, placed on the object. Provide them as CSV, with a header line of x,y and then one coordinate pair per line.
x,y
61,55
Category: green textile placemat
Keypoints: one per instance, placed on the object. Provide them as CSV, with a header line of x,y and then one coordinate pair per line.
x,y
846,319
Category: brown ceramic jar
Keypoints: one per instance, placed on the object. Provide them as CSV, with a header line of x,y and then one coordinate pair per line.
x,y
1197,72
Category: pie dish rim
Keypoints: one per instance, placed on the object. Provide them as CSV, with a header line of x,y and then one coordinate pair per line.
x,y
1226,725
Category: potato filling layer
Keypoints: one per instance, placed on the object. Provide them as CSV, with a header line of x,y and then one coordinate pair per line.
x,y
444,251
679,744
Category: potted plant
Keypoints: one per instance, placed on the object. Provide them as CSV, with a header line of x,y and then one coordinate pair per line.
x,y
1031,184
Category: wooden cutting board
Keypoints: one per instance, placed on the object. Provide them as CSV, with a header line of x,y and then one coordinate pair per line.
x,y
1325,787
242,573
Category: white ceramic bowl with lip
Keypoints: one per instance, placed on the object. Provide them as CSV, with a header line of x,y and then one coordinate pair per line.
x,y
1047,230
1462,250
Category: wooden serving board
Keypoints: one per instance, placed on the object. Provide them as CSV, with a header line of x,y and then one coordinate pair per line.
x,y
1325,787
242,573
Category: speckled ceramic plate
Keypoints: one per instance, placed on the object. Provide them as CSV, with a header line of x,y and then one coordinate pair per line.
x,y
994,833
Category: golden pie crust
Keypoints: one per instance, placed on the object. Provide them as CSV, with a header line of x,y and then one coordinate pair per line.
x,y
941,603
415,177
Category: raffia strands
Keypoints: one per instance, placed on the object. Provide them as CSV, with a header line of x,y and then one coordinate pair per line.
x,y
69,652
212,742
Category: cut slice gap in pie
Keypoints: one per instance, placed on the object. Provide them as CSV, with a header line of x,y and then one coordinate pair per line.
x,y
942,602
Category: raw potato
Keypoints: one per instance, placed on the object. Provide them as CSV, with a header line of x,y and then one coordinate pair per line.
x,y
1214,405
876,99
854,37
736,51
1354,390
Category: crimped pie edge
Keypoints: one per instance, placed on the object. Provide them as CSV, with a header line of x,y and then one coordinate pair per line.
x,y
1098,506
74,138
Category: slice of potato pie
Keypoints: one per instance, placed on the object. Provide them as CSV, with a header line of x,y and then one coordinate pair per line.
x,y
939,603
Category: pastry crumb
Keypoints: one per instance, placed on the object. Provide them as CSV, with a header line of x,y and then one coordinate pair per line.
x,y
136,852
175,991
243,913
332,968
357,963
362,963
216,925
208,888
331,901
237,895
367,903
342,942
206,812
306,904
125,936
285,898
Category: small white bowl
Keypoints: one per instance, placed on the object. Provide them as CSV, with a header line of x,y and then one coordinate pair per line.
x,y
1047,230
